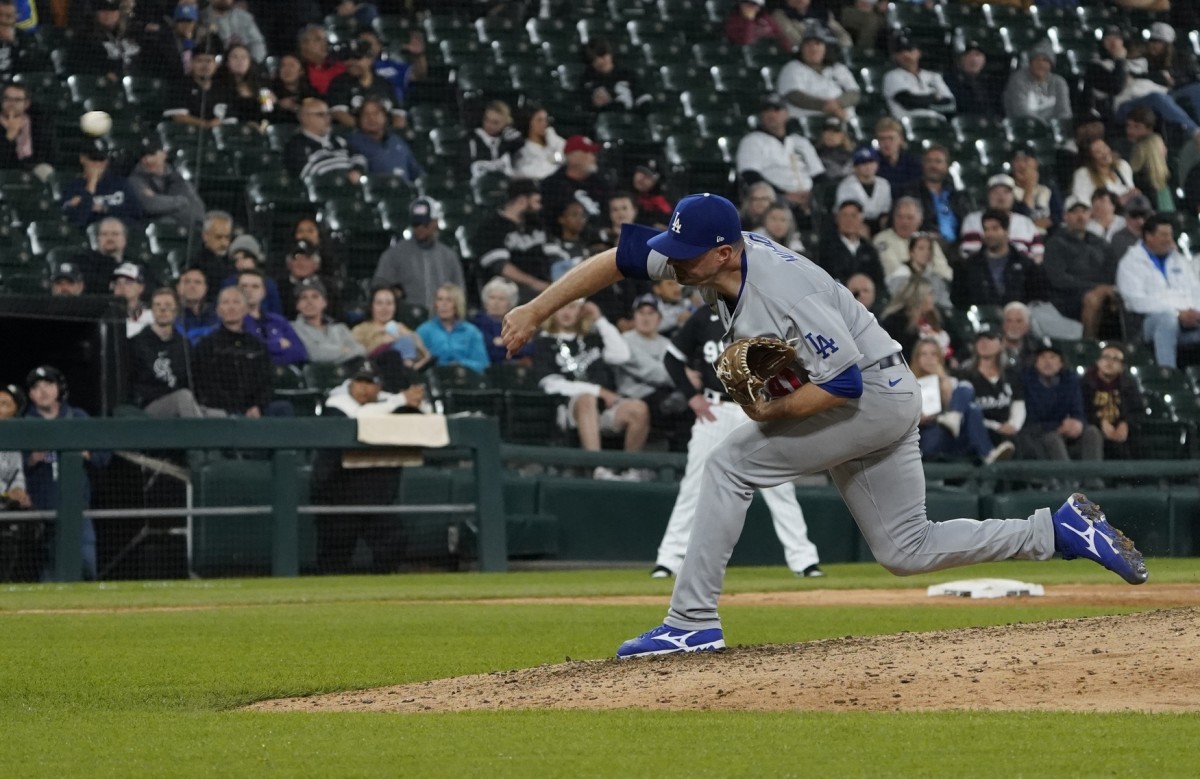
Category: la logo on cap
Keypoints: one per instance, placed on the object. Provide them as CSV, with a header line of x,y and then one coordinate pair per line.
x,y
676,226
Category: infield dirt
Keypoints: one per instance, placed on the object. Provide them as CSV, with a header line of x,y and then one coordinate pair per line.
x,y
1148,661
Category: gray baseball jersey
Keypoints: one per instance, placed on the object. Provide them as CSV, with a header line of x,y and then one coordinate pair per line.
x,y
868,445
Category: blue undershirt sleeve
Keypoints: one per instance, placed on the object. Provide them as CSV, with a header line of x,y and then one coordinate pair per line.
x,y
632,251
847,384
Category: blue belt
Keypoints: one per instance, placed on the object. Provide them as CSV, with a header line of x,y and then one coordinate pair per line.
x,y
889,361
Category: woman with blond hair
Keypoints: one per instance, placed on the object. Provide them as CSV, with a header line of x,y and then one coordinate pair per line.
x,y
1102,168
913,315
951,423
1152,172
571,355
450,339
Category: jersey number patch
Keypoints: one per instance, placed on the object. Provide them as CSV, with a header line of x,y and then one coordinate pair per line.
x,y
821,345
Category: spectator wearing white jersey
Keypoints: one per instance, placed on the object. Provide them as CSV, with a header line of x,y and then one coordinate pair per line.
x,y
812,86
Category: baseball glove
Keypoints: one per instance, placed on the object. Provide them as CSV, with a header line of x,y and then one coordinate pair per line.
x,y
748,364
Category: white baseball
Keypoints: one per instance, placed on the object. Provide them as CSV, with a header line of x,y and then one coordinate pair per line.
x,y
95,123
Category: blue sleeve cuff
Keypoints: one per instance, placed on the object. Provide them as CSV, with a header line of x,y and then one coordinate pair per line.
x,y
847,384
633,251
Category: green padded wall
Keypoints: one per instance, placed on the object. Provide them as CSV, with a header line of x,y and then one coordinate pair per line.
x,y
1142,513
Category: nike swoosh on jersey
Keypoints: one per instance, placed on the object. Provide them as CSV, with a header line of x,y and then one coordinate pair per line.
x,y
894,382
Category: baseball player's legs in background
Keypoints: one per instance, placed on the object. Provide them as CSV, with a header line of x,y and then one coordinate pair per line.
x,y
799,552
871,449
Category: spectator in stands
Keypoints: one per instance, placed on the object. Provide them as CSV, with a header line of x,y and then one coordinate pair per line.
x,y
381,333
1128,83
98,192
1017,339
235,25
1137,211
571,355
1036,91
97,265
865,187
847,249
449,337
18,51
653,206
895,243
811,86
315,150
1040,202
1106,222
283,345
167,51
999,392
199,99
160,365
196,315
127,285
748,22
1022,233
1112,403
244,85
247,254
644,376
911,91
779,225
606,86
399,73
896,164
543,150
1157,281
494,143
912,314
801,18
67,281
307,229
421,264
290,89
319,69
232,368
1103,168
863,290
46,387
835,149
303,262
160,189
621,211
574,238
997,273
499,296
12,471
28,141
359,83
102,46
325,340
920,264
361,396
213,255
1080,275
759,197
953,426
1056,426
577,179
1148,160
1174,64
976,91
512,243
865,20
786,161
944,206
674,307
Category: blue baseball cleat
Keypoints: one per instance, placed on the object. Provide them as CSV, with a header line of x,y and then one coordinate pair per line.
x,y
1080,530
665,640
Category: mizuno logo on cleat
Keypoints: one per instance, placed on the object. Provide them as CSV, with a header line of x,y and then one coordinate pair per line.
x,y
679,641
1089,535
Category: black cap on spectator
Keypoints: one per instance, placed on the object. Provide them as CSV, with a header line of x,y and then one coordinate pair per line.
x,y
150,144
521,187
312,282
67,270
987,330
1139,205
358,49
1046,345
650,167
972,45
1113,29
96,149
208,44
305,247
646,300
902,42
420,212
771,102
367,372
17,394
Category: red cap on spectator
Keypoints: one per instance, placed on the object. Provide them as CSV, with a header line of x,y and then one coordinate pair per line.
x,y
581,143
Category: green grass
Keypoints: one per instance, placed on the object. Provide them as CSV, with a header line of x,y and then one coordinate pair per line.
x,y
156,693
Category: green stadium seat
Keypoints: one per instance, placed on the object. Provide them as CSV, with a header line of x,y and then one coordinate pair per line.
x,y
330,186
705,164
411,315
323,376
31,282
356,224
1045,18
45,234
685,77
290,386
380,187
498,28
1163,381
600,27
510,375
447,377
517,52
555,28
279,134
720,124
531,417
165,236
762,54
449,143
737,79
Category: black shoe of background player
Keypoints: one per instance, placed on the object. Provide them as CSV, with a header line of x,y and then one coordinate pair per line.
x,y
811,571
661,572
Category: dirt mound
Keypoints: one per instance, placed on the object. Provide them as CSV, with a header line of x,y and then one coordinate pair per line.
x,y
1142,662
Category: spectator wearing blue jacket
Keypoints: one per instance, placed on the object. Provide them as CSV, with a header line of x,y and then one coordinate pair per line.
x,y
398,73
1055,423
284,346
385,151
450,339
47,390
98,192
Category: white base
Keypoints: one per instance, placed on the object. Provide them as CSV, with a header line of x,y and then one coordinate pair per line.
x,y
986,588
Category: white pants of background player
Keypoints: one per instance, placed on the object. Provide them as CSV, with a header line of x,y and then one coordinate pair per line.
x,y
799,552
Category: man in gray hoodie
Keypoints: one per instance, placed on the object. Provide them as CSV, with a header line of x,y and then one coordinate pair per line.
x,y
1036,90
161,190
421,264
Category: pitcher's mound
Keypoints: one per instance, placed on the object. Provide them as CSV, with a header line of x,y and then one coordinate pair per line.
x,y
1144,662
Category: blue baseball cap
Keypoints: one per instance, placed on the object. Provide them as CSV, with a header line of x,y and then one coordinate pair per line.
x,y
699,223
865,154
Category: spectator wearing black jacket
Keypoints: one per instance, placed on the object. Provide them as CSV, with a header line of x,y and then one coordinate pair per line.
x,y
28,140
576,180
232,368
996,274
945,207
315,150
976,91
161,190
1113,403
604,85
492,146
199,99
98,192
160,380
19,53
167,48
511,242
848,249
102,46
358,84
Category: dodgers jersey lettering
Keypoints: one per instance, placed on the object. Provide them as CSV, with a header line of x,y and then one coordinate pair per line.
x,y
783,295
